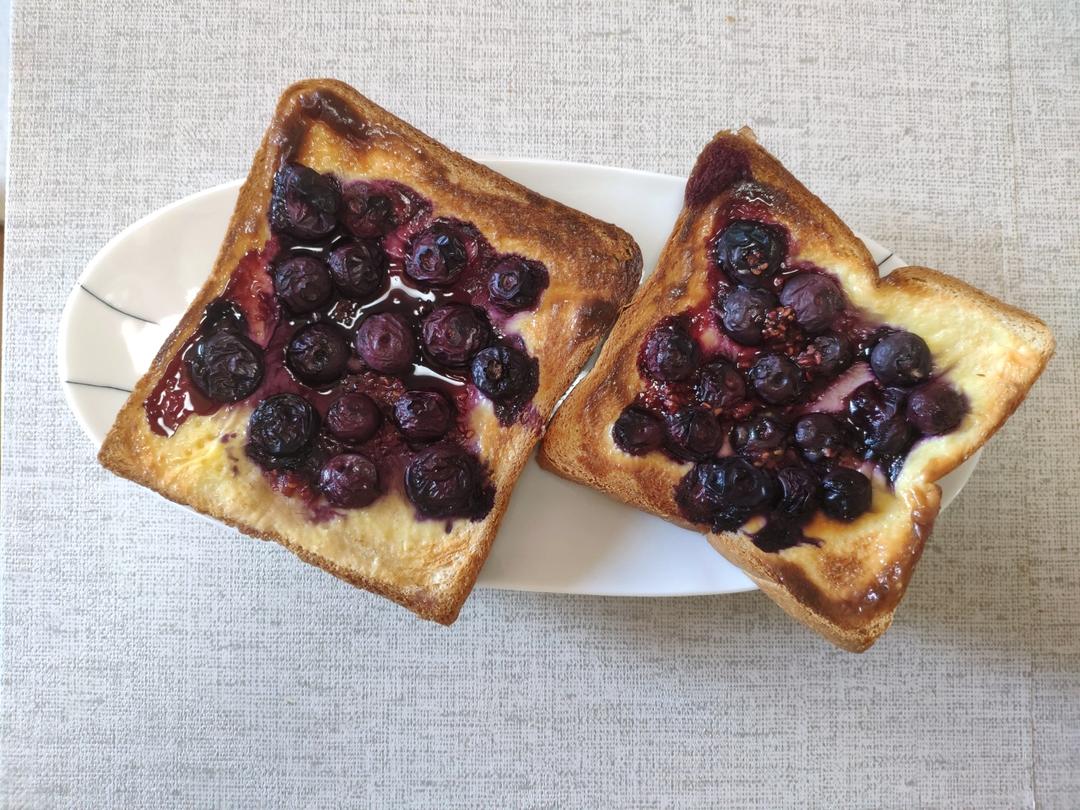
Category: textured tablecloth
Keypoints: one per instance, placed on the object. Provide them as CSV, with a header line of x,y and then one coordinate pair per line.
x,y
151,659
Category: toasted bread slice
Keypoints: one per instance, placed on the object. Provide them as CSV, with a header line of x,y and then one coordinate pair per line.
x,y
846,581
421,549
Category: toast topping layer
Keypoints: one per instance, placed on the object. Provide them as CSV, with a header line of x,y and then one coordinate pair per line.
x,y
362,334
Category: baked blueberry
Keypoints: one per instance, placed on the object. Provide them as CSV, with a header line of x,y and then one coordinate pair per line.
x,y
743,314
779,532
936,408
516,283
385,341
879,414
349,480
423,416
776,379
845,494
670,353
353,417
637,431
762,436
815,299
223,315
225,366
282,425
725,493
749,253
901,358
304,203
437,256
693,434
358,269
317,353
366,213
453,333
827,354
446,481
502,373
821,436
303,283
720,386
799,492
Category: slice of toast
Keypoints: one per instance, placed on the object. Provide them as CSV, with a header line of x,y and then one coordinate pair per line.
x,y
835,554
382,338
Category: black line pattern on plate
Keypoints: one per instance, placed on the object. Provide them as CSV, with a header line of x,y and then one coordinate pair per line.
x,y
99,385
885,259
115,308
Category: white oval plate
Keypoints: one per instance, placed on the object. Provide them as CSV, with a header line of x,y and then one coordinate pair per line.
x,y
556,536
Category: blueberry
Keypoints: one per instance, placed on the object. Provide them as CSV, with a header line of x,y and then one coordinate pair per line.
x,y
831,354
517,283
225,366
776,379
879,415
936,408
845,494
799,492
358,269
821,437
670,354
743,314
282,425
453,333
446,481
749,252
637,431
780,532
815,299
724,493
693,435
385,341
223,315
437,256
423,416
349,480
720,386
304,203
317,353
503,372
353,417
761,436
303,283
901,358
365,213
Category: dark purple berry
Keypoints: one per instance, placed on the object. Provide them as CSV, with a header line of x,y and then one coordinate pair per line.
x,y
831,354
815,299
366,214
743,314
821,437
724,493
423,416
437,256
762,436
385,341
353,417
453,333
670,354
749,252
776,379
637,431
304,203
349,480
225,366
317,353
936,408
446,481
845,494
517,283
799,492
780,532
693,435
303,284
503,372
222,315
359,270
720,386
879,414
901,358
282,425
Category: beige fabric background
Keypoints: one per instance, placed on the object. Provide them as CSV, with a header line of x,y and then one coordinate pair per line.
x,y
150,659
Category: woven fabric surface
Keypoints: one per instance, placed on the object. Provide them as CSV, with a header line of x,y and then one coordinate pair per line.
x,y
152,659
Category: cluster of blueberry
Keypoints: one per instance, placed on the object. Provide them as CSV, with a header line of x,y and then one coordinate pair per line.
x,y
387,322
748,413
